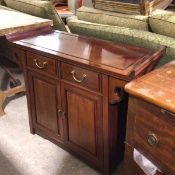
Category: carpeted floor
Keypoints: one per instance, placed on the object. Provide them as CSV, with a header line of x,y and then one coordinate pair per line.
x,y
22,153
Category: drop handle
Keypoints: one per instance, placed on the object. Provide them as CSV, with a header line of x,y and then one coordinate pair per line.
x,y
42,65
152,139
76,79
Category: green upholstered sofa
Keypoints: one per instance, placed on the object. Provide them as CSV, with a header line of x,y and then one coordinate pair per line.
x,y
39,8
151,32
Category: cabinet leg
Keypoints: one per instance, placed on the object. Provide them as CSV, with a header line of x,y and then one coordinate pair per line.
x,y
32,130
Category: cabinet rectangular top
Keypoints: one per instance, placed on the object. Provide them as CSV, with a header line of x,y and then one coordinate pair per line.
x,y
157,87
114,58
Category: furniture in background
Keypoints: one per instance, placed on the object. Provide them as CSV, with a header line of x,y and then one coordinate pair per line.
x,y
38,8
136,7
75,92
151,120
58,2
151,32
74,4
13,26
69,9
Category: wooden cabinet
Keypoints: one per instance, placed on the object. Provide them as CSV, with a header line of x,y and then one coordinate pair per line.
x,y
151,122
75,93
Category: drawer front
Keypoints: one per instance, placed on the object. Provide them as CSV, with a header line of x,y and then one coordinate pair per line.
x,y
42,64
154,134
81,76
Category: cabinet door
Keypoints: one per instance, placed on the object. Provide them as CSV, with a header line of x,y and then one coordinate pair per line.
x,y
45,99
83,118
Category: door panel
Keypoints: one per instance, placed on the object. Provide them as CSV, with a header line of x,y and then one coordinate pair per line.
x,y
46,102
83,120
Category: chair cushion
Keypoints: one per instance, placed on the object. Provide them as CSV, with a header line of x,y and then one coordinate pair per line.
x,y
110,18
163,22
43,9
125,35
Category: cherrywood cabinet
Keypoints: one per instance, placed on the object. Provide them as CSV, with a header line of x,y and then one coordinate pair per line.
x,y
75,93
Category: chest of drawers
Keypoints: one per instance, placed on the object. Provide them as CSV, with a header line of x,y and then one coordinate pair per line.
x,y
75,92
151,120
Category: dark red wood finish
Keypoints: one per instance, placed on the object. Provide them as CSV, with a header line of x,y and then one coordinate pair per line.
x,y
85,110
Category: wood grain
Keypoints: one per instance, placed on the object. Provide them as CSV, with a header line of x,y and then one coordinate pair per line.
x,y
86,118
120,60
156,87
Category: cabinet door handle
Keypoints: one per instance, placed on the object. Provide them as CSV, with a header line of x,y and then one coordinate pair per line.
x,y
61,113
152,139
78,80
165,111
40,65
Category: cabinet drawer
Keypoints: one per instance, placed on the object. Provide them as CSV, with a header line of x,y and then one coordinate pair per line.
x,y
42,64
154,134
81,76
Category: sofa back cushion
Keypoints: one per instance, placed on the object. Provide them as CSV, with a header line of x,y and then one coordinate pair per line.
x,y
163,22
43,9
111,18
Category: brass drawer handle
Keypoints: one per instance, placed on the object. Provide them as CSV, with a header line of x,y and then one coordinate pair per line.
x,y
40,65
152,139
77,80
165,111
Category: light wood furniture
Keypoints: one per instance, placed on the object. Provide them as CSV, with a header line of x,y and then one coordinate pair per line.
x,y
75,92
14,26
151,120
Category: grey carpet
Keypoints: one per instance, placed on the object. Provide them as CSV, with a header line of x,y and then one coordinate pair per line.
x,y
22,153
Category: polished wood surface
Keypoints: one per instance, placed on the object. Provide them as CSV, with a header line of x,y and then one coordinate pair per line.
x,y
91,120
121,60
151,120
157,87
